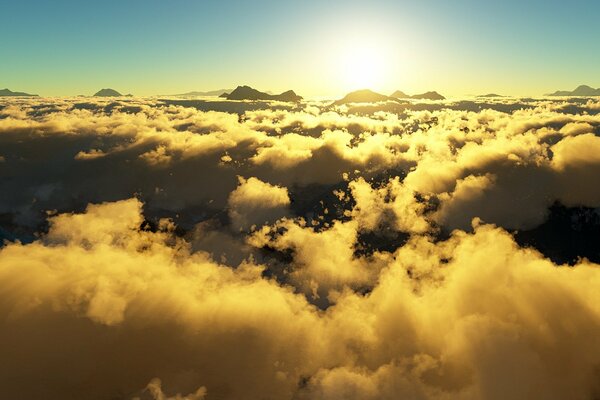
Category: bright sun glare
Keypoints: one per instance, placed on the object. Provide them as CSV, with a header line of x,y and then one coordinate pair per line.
x,y
362,67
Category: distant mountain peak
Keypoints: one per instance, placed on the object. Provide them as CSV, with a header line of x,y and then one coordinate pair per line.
x,y
364,96
581,90
107,93
431,95
245,92
399,94
209,93
10,93
369,96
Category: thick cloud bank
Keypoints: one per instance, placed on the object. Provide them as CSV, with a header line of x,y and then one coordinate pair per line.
x,y
445,250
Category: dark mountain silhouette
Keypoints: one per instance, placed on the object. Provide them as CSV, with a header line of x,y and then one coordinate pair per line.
x,y
399,94
216,93
248,93
364,96
428,96
224,95
108,93
582,90
9,93
288,95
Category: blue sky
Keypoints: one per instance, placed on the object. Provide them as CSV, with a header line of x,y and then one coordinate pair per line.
x,y
157,47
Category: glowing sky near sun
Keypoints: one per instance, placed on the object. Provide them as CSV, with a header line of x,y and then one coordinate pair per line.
x,y
316,48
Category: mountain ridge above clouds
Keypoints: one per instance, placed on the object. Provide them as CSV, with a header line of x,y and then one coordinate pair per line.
x,y
369,96
248,93
431,95
490,95
110,93
399,94
211,93
364,96
581,90
9,93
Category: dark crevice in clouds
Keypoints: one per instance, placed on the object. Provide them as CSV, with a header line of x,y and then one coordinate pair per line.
x,y
567,235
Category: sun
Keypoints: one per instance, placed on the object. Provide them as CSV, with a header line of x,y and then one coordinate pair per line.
x,y
356,57
362,65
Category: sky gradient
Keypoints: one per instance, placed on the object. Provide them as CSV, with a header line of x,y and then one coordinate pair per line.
x,y
464,47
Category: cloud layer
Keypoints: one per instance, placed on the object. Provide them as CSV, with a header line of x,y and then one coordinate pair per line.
x,y
168,251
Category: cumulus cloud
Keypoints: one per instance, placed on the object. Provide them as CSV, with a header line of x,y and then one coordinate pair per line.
x,y
125,305
255,202
104,308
